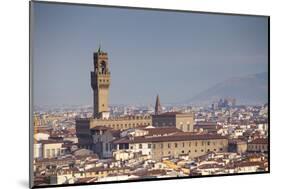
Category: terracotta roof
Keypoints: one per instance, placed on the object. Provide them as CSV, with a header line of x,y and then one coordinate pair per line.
x,y
101,128
141,126
105,169
124,140
51,141
156,172
162,130
203,123
210,166
54,160
86,180
259,141
169,113
248,164
236,141
115,133
169,138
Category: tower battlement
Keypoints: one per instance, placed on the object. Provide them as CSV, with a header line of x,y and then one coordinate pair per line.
x,y
125,118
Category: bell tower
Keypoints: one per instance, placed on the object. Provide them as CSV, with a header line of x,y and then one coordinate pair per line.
x,y
100,82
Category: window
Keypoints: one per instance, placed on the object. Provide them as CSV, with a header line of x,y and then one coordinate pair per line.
x,y
195,150
182,151
140,146
106,147
208,143
183,144
154,146
181,126
202,150
132,147
208,150
53,152
103,67
215,150
202,143
176,145
161,145
220,149
195,143
48,153
149,146
169,145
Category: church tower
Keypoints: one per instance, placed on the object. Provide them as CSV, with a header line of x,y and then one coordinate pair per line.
x,y
100,82
158,108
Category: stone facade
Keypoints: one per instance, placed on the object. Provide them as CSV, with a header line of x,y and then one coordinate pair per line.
x,y
237,146
175,145
84,126
52,149
182,121
258,145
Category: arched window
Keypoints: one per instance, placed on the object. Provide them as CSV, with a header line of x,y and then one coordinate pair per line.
x,y
103,67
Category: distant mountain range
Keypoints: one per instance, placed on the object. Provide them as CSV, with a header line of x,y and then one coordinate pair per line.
x,y
248,90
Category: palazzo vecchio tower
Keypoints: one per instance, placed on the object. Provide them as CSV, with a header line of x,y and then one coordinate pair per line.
x,y
100,82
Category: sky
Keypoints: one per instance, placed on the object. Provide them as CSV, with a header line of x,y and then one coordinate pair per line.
x,y
174,54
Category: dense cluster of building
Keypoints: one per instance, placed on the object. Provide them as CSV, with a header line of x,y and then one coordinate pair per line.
x,y
85,146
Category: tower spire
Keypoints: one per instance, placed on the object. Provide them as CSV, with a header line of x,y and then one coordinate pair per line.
x,y
99,50
158,108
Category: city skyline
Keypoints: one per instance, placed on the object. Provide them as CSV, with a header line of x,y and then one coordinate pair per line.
x,y
151,62
159,49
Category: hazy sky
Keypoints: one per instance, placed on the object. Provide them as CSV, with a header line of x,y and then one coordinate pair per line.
x,y
176,55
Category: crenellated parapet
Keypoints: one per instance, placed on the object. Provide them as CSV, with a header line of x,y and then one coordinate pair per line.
x,y
121,123
146,117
